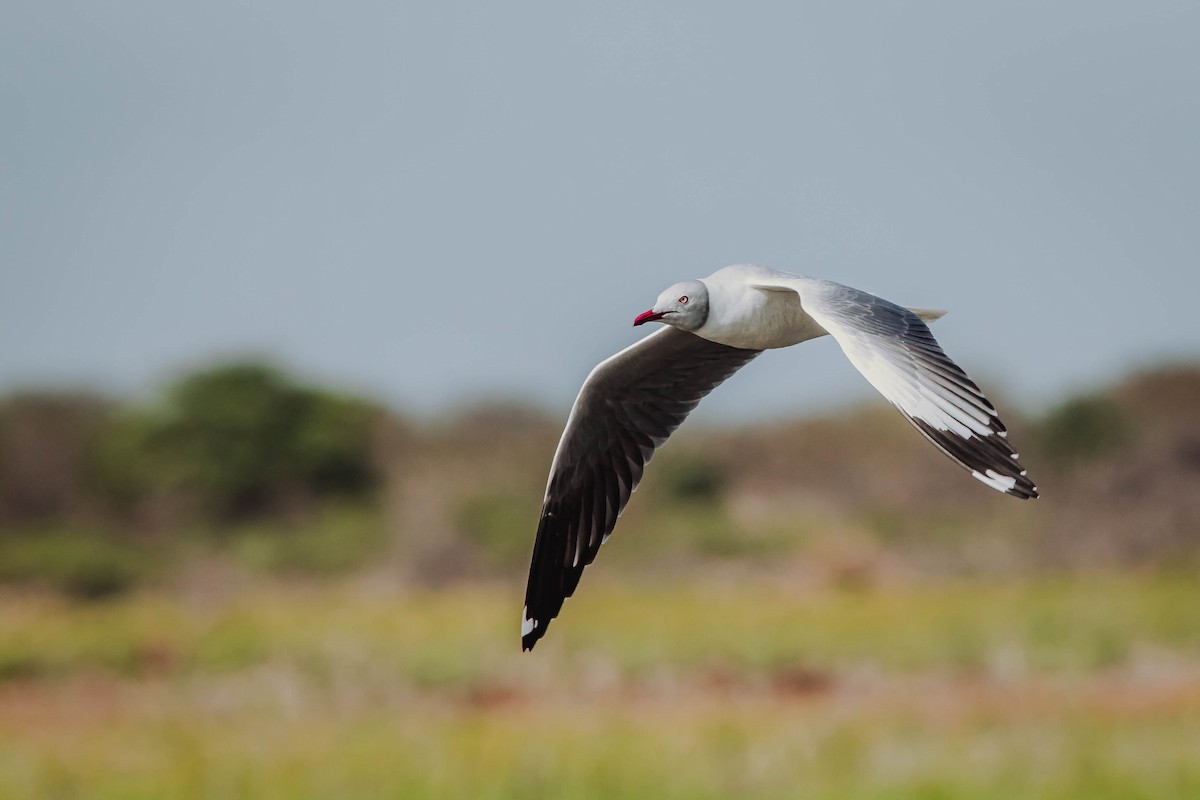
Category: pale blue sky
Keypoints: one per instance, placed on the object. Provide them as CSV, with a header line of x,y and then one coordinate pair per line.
x,y
439,202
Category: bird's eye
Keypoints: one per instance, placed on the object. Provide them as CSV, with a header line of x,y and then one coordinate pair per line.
x,y
683,300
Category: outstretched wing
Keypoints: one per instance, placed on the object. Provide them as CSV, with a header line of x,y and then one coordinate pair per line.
x,y
895,351
628,406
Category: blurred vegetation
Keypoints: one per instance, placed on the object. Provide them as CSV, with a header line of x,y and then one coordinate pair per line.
x,y
1047,688
85,565
247,586
244,463
497,525
696,480
44,444
238,441
1084,429
334,540
97,496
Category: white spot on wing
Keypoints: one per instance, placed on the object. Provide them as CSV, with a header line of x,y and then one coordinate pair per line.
x,y
1002,483
527,624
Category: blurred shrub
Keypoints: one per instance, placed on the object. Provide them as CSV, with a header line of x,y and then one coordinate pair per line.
x,y
1083,429
501,525
122,467
243,439
714,534
44,439
693,479
338,539
82,564
709,532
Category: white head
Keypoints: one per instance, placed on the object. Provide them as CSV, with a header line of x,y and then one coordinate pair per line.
x,y
684,305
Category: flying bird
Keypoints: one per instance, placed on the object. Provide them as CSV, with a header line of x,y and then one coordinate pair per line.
x,y
631,402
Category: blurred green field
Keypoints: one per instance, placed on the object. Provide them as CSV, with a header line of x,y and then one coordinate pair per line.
x,y
254,588
729,683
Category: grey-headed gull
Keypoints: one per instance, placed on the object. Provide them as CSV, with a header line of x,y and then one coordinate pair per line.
x,y
631,402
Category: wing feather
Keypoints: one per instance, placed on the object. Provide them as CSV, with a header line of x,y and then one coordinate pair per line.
x,y
628,406
895,350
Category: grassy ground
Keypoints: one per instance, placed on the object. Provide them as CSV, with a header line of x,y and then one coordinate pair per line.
x,y
1085,687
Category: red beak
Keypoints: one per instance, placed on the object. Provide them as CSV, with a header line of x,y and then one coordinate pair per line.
x,y
648,316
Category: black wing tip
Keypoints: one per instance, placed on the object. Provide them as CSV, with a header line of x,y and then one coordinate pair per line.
x,y
1024,489
1021,487
550,580
990,459
532,629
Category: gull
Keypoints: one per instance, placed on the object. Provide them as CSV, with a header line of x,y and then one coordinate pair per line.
x,y
631,402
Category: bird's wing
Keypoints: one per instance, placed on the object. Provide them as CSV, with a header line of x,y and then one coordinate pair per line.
x,y
628,406
895,351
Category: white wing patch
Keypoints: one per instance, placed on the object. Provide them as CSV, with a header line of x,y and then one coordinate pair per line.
x,y
1001,483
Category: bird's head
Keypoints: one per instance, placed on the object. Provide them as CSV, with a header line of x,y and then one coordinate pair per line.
x,y
684,305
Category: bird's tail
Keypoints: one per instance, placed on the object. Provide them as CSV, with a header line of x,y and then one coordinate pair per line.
x,y
928,314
